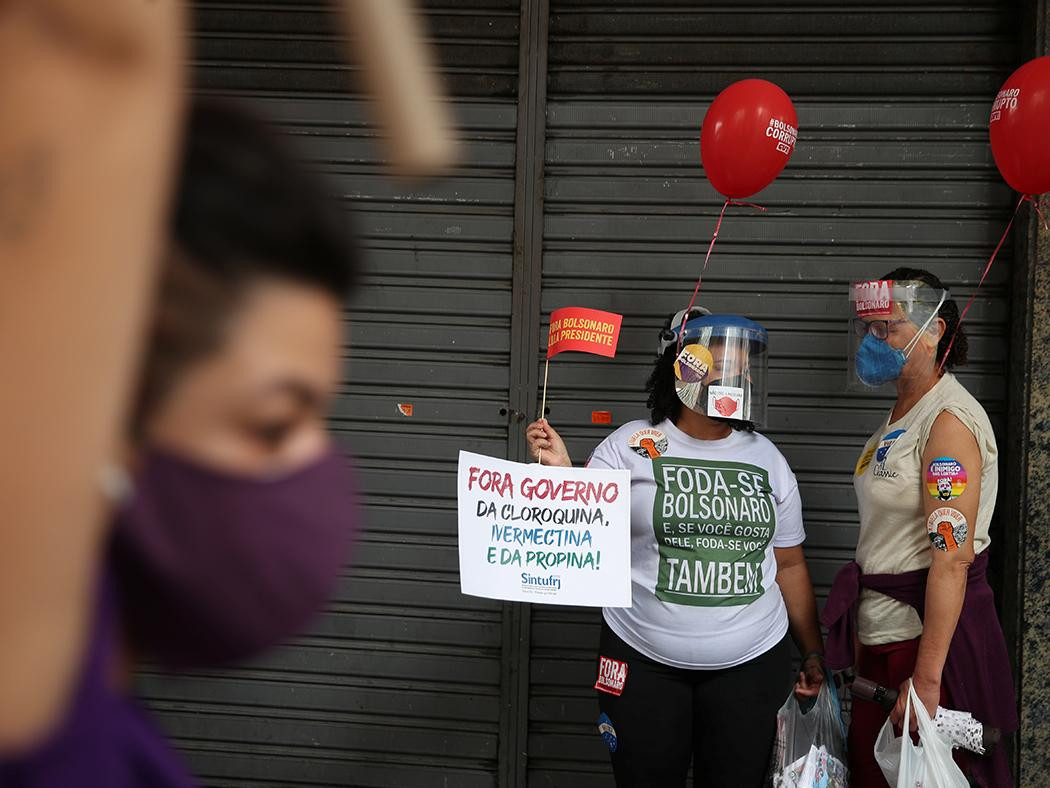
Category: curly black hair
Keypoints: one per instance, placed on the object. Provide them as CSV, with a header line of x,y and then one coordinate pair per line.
x,y
949,313
663,402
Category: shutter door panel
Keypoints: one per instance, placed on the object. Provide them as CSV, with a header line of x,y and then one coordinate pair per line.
x,y
399,682
892,168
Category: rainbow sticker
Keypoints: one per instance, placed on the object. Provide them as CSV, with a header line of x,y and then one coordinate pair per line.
x,y
946,479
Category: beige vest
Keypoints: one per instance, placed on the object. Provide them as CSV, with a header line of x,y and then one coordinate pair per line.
x,y
891,492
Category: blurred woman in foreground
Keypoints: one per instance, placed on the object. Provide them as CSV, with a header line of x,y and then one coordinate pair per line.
x,y
233,525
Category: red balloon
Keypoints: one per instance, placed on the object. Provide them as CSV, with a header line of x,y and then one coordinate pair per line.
x,y
748,135
1018,127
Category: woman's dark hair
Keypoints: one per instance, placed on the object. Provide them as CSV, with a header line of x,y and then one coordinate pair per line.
x,y
244,206
244,210
663,402
949,313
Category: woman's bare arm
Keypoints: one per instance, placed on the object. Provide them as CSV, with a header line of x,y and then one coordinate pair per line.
x,y
89,95
952,555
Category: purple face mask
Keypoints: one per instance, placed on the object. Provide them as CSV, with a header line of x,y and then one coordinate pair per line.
x,y
213,568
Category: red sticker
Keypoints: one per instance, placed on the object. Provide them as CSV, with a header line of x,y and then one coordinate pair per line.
x,y
601,417
873,299
612,675
726,406
404,408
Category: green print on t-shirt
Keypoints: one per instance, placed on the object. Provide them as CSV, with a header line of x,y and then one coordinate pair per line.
x,y
713,522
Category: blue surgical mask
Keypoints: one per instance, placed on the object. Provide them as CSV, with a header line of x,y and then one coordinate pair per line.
x,y
878,362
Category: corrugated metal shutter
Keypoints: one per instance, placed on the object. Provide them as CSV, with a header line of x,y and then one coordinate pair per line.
x,y
399,683
892,168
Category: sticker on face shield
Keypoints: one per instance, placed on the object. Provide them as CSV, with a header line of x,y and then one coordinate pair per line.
x,y
689,393
873,299
650,443
946,478
726,402
608,732
693,364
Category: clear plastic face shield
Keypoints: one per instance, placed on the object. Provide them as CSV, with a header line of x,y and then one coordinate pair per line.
x,y
891,321
720,370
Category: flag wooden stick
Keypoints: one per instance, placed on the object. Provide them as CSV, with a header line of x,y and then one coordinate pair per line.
x,y
543,404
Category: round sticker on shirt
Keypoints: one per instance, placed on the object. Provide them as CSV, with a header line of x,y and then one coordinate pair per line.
x,y
882,452
693,364
864,461
947,529
649,443
946,478
886,444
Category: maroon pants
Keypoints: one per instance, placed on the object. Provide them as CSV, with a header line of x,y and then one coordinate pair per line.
x,y
889,665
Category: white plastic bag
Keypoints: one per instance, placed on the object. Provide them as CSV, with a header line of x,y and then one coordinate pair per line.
x,y
928,764
810,748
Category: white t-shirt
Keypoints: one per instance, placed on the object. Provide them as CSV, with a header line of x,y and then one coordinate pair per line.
x,y
705,517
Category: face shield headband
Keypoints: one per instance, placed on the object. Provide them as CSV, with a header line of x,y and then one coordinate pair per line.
x,y
669,336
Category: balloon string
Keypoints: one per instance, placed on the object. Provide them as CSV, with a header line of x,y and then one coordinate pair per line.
x,y
984,274
710,248
1035,204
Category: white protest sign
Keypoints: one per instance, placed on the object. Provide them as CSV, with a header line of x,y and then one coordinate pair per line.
x,y
535,533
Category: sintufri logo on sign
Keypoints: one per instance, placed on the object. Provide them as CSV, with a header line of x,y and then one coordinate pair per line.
x,y
548,584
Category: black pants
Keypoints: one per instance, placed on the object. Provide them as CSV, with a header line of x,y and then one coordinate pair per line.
x,y
723,721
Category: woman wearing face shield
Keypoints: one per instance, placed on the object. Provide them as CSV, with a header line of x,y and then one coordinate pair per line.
x,y
695,670
926,485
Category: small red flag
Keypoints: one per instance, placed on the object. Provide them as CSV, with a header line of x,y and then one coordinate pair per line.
x,y
584,330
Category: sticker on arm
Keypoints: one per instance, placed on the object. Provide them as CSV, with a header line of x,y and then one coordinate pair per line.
x,y
945,478
947,529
